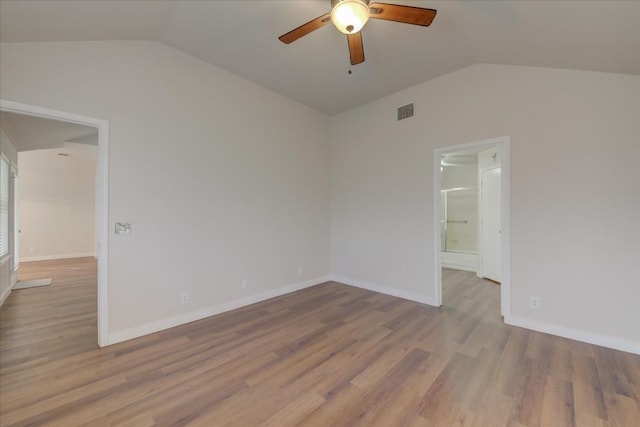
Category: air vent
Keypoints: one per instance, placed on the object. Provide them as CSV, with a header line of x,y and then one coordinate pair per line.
x,y
63,154
405,111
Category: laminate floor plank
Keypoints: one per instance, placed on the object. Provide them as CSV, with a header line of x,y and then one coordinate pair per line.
x,y
329,355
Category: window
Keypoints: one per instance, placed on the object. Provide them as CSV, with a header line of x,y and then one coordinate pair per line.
x,y
4,207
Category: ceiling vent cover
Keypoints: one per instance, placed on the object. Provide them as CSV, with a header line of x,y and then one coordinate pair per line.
x,y
405,111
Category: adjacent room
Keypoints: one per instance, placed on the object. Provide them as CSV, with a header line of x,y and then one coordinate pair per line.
x,y
254,213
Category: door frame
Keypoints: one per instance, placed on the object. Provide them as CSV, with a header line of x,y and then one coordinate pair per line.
x,y
102,198
505,289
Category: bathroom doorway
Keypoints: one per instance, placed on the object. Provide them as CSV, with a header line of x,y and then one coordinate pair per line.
x,y
471,200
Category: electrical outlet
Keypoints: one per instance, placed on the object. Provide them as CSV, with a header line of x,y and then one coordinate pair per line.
x,y
300,271
245,284
32,250
534,302
184,298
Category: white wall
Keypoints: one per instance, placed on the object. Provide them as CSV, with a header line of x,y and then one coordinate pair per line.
x,y
58,202
221,180
7,276
575,239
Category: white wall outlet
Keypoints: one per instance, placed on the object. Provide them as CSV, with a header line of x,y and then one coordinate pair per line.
x,y
32,250
534,302
245,283
300,271
184,297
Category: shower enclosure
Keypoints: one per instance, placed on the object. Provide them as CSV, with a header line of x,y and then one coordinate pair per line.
x,y
459,228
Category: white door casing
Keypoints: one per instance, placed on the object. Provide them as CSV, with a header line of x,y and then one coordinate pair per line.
x,y
102,196
503,161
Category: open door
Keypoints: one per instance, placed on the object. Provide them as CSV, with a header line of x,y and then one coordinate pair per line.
x,y
491,224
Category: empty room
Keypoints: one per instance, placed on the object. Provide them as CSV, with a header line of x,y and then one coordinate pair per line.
x,y
319,213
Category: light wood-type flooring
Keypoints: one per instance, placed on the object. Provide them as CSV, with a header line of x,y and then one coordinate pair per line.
x,y
330,355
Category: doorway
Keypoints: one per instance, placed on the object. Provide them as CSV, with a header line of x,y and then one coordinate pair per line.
x,y
471,228
102,127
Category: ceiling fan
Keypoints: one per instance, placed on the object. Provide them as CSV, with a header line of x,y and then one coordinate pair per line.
x,y
349,16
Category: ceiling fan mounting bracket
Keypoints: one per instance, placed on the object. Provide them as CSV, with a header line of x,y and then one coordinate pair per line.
x,y
335,2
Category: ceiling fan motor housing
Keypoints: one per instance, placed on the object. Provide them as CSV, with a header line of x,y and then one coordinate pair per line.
x,y
349,16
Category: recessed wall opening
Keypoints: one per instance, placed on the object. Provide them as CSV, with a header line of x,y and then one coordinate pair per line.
x,y
471,203
92,132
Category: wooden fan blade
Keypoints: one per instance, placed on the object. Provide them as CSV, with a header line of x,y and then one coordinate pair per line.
x,y
356,49
407,14
305,29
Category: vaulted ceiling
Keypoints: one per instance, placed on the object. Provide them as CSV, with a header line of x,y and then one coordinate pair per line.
x,y
242,37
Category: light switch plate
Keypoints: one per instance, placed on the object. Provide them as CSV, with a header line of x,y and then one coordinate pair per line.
x,y
123,228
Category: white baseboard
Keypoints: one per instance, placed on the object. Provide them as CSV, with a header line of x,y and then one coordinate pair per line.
x,y
411,296
615,343
160,325
52,257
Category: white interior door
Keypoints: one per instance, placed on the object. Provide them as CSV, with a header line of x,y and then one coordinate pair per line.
x,y
491,224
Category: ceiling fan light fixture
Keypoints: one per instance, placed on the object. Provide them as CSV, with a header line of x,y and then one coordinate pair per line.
x,y
349,16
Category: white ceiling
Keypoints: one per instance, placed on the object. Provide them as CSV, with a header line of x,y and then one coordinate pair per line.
x,y
241,37
35,133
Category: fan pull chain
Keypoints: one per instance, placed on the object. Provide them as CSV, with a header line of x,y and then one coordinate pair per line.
x,y
349,72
